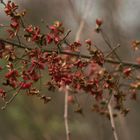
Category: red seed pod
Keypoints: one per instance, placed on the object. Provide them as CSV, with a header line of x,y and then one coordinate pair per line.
x,y
99,22
24,85
49,38
127,71
14,23
12,73
88,41
2,93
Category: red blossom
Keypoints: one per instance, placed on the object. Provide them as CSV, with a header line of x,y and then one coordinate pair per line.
x,y
77,43
99,22
11,74
14,23
11,33
56,39
88,41
83,73
53,28
2,93
29,29
10,8
49,38
25,85
36,34
127,71
37,64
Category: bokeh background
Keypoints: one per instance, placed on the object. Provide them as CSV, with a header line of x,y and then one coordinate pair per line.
x,y
27,118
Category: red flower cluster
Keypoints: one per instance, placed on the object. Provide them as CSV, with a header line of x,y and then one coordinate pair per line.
x,y
51,53
2,93
12,78
10,8
24,85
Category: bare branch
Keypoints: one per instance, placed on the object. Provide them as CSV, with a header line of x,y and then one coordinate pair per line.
x,y
109,45
66,92
112,51
112,122
10,100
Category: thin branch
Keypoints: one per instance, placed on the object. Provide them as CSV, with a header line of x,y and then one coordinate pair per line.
x,y
2,2
109,45
112,122
125,63
22,22
63,40
107,60
112,51
111,116
15,44
66,113
10,100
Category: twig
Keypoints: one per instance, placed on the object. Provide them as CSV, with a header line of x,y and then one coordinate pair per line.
x,y
22,22
10,100
112,122
62,40
109,45
66,113
112,51
111,116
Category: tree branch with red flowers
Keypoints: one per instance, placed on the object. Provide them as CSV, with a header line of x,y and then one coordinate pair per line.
x,y
95,73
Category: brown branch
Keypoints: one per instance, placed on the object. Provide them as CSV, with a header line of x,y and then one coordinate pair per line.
x,y
125,63
107,60
14,44
66,113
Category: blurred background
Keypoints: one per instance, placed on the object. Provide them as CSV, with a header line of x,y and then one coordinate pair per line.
x,y
27,118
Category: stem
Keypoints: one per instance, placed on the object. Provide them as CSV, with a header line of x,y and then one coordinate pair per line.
x,y
10,100
112,51
112,122
66,114
109,45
